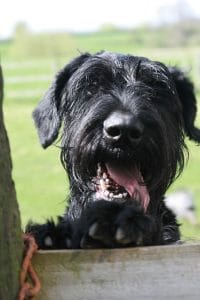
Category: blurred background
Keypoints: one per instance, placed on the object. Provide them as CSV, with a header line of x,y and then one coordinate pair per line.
x,y
38,37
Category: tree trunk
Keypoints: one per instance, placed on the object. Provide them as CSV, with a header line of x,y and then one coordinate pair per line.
x,y
11,247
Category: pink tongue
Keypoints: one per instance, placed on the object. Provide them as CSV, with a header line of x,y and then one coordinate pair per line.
x,y
130,179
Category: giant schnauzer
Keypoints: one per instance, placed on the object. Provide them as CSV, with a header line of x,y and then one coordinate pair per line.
x,y
123,120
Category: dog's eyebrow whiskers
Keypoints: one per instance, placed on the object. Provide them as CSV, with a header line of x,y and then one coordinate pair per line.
x,y
131,76
136,70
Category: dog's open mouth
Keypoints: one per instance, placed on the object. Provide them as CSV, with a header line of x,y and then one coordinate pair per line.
x,y
119,183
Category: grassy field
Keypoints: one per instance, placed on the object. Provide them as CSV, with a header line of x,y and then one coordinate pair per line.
x,y
41,183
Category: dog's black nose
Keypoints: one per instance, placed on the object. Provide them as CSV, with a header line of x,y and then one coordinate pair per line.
x,y
120,125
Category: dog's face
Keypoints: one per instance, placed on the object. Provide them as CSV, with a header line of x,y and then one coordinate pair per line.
x,y
123,125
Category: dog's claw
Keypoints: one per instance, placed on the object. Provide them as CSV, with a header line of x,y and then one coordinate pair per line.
x,y
139,240
85,244
93,230
68,243
48,241
121,237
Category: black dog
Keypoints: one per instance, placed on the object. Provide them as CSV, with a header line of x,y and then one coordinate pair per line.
x,y
124,119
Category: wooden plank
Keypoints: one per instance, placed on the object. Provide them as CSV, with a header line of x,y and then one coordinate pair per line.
x,y
155,273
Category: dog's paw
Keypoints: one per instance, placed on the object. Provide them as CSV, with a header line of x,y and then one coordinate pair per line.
x,y
95,228
44,234
116,225
51,235
133,227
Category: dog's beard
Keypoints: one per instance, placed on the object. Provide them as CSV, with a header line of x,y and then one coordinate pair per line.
x,y
122,174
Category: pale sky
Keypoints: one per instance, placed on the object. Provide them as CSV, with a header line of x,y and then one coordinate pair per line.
x,y
81,15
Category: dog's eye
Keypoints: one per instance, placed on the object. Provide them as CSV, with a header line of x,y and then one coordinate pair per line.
x,y
91,88
94,84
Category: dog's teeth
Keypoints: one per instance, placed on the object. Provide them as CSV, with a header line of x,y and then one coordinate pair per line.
x,y
99,170
102,184
106,193
107,181
115,196
105,175
125,195
118,196
111,195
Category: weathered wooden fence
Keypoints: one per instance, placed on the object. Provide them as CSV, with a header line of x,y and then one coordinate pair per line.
x,y
155,273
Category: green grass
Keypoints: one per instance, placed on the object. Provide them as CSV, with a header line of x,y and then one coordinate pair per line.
x,y
41,182
190,179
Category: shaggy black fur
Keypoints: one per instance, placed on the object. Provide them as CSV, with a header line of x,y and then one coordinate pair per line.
x,y
128,112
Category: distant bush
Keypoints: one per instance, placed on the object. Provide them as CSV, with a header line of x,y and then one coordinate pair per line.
x,y
44,44
179,34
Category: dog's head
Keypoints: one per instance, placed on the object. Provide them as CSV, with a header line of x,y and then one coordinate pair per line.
x,y
124,119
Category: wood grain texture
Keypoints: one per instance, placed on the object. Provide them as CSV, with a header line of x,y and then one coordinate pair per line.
x,y
166,272
11,246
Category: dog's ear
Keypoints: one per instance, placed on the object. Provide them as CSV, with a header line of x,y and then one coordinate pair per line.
x,y
48,114
187,97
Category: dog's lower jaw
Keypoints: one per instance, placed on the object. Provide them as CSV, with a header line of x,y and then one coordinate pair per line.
x,y
80,200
